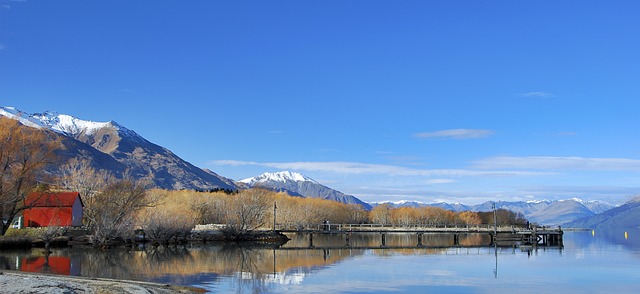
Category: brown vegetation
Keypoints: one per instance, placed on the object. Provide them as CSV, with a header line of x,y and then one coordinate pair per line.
x,y
24,154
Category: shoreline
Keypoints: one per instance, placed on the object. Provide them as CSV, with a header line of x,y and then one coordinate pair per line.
x,y
25,282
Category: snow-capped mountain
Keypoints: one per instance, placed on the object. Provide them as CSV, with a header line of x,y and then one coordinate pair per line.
x,y
111,146
54,121
415,204
296,184
544,212
594,205
623,216
283,176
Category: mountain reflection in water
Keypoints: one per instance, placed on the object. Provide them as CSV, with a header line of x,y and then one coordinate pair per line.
x,y
193,264
331,265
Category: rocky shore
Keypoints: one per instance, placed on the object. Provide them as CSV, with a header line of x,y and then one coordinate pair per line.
x,y
21,282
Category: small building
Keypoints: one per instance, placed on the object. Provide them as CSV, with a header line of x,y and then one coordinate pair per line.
x,y
53,209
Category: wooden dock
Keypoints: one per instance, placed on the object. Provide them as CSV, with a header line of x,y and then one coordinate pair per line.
x,y
500,236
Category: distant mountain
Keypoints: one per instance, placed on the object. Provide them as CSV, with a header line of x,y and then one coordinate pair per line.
x,y
111,146
541,212
624,216
296,184
561,212
416,204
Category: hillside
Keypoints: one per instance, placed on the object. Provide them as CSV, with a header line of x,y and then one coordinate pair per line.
x,y
113,147
560,212
296,184
624,216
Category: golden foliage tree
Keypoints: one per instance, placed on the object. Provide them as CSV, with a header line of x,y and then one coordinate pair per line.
x,y
169,220
381,214
253,209
470,218
404,216
25,152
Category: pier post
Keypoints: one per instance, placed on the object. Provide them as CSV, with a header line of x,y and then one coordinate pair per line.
x,y
384,240
560,236
310,240
456,240
347,235
419,240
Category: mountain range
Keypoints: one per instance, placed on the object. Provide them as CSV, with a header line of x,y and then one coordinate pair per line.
x,y
542,212
113,147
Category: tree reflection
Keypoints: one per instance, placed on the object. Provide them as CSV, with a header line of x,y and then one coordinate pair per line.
x,y
252,268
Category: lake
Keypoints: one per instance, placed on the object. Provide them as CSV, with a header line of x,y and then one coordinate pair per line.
x,y
589,262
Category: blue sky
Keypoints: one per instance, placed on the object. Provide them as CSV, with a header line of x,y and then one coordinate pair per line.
x,y
463,101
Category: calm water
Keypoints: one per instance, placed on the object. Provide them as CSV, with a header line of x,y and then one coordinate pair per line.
x,y
604,261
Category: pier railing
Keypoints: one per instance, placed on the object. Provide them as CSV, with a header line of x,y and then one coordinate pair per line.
x,y
407,227
501,235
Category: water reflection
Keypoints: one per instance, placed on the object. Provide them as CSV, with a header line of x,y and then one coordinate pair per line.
x,y
330,258
195,264
387,240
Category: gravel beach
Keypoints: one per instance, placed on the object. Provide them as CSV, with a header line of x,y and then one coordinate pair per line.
x,y
21,282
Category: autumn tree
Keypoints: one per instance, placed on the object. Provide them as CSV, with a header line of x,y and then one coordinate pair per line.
x,y
469,218
248,210
208,208
165,223
429,215
357,214
78,175
404,216
381,214
25,152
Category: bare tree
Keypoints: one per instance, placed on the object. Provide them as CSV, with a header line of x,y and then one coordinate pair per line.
x,y
114,211
24,154
248,209
78,175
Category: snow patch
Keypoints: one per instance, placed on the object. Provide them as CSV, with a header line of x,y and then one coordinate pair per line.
x,y
62,123
283,176
68,124
22,117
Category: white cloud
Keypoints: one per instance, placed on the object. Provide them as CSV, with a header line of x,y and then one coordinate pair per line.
x,y
537,94
343,167
458,134
439,181
550,162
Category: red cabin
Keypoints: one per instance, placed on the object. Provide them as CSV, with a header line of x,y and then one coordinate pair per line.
x,y
53,209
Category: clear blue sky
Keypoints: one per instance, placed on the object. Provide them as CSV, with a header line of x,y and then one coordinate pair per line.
x,y
463,101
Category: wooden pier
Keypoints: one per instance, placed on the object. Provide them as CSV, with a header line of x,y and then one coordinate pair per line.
x,y
499,236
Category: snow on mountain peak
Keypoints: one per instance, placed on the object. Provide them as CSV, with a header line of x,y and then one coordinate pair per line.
x,y
581,201
283,176
68,124
61,123
22,117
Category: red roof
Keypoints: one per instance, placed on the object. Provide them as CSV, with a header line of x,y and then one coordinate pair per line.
x,y
59,199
